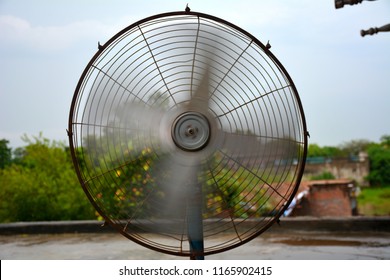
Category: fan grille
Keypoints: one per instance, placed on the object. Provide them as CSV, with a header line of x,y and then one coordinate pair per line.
x,y
158,62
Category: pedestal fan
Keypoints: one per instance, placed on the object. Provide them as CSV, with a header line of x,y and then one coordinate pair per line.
x,y
187,134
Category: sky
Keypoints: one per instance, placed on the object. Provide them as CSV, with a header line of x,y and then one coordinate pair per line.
x,y
342,78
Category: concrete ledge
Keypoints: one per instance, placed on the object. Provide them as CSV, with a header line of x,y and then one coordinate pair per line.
x,y
55,227
332,224
324,224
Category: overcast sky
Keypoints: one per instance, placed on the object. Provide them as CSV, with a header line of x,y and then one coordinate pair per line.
x,y
343,79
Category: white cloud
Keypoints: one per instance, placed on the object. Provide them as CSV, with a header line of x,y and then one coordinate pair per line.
x,y
13,24
15,31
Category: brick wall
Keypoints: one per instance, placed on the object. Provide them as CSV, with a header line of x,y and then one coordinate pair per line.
x,y
326,198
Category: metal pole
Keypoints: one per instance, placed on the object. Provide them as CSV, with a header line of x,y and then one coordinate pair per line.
x,y
195,222
374,30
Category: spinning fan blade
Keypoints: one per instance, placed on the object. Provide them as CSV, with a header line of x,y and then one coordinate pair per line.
x,y
177,176
145,125
201,97
236,144
141,126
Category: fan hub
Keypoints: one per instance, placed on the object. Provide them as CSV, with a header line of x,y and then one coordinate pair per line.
x,y
191,131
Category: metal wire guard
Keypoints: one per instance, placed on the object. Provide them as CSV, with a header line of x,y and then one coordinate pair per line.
x,y
121,133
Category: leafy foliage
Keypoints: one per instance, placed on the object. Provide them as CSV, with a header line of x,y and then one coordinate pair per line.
x,y
374,201
315,150
5,153
379,155
323,176
41,185
353,147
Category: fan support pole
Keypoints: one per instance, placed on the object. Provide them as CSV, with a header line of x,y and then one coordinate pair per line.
x,y
195,223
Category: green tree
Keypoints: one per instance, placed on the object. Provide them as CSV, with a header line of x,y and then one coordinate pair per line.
x,y
42,185
314,150
5,153
379,155
385,141
354,147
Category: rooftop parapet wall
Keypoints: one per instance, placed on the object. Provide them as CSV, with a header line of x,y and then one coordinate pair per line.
x,y
331,224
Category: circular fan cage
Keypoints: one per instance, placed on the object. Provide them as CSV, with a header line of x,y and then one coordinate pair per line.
x,y
187,134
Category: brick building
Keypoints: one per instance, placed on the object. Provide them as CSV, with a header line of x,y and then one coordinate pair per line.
x,y
325,198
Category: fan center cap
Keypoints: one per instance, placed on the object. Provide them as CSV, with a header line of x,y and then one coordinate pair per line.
x,y
191,131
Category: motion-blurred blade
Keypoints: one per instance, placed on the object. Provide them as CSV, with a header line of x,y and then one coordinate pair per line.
x,y
177,177
144,126
241,144
200,99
